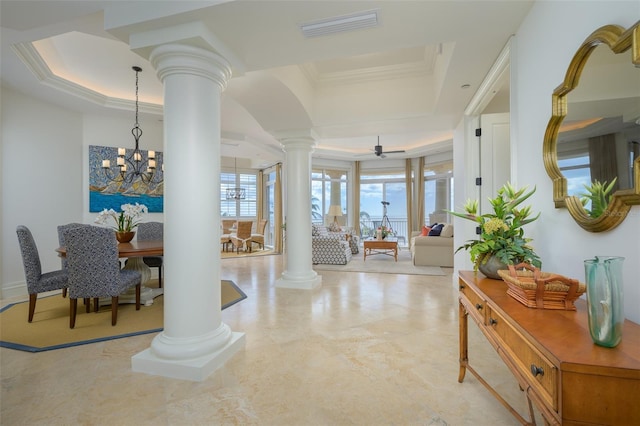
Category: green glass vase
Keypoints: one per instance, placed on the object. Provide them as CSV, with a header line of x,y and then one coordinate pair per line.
x,y
603,276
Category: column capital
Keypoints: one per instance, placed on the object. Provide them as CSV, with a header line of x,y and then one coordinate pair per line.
x,y
297,139
178,58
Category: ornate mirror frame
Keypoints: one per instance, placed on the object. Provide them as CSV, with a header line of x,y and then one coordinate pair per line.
x,y
618,40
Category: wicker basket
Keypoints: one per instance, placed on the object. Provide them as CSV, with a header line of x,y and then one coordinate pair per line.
x,y
542,290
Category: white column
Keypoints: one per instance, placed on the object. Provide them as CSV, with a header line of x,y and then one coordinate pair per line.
x,y
299,273
195,341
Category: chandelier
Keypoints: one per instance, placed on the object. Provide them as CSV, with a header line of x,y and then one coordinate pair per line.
x,y
236,193
134,166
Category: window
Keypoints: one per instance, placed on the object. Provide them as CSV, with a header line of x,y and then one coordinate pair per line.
x,y
577,171
328,187
245,208
376,187
438,191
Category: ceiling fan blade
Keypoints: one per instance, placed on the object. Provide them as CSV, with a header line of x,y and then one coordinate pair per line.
x,y
394,152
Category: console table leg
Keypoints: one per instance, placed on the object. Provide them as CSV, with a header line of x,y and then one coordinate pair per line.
x,y
464,355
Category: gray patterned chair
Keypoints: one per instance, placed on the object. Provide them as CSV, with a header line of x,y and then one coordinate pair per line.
x,y
327,231
61,230
94,269
330,250
37,282
152,231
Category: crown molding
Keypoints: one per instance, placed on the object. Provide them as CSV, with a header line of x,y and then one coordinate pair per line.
x,y
29,55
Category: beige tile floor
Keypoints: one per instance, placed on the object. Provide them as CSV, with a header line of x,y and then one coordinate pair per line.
x,y
364,349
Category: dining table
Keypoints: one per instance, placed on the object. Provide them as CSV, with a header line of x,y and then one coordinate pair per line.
x,y
134,251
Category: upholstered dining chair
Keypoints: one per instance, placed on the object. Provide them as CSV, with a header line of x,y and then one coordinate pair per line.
x,y
152,231
37,282
258,236
242,236
63,259
94,270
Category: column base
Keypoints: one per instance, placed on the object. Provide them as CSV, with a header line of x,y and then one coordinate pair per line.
x,y
196,369
302,283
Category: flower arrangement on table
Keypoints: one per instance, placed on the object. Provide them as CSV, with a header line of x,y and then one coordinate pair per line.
x,y
126,220
384,231
502,235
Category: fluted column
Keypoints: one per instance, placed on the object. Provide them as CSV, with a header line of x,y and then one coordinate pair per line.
x,y
299,272
195,341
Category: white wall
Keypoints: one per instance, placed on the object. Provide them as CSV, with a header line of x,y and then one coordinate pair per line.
x,y
41,180
545,44
53,143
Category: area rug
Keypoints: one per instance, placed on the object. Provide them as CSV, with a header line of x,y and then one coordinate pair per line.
x,y
50,327
254,252
382,264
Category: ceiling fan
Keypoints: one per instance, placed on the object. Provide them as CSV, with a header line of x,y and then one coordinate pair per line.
x,y
380,153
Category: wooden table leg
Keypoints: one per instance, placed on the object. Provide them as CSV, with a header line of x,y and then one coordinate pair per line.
x,y
463,331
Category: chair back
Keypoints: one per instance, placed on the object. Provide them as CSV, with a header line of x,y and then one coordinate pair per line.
x,y
261,226
92,262
30,256
244,229
227,224
61,230
150,231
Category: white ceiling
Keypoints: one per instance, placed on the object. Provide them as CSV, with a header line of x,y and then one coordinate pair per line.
x,y
401,81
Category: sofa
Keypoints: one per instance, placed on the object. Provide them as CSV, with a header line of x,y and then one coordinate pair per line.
x,y
433,250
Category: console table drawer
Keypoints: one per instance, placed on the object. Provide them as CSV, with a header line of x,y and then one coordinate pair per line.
x,y
536,369
476,305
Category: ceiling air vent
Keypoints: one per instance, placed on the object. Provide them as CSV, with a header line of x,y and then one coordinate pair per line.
x,y
340,24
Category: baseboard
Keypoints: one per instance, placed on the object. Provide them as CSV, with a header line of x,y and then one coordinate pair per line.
x,y
15,289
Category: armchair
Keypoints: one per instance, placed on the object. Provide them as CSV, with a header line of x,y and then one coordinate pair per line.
x,y
330,249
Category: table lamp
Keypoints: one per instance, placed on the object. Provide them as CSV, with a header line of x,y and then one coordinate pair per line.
x,y
335,211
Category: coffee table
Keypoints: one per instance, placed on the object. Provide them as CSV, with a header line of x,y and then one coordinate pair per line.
x,y
388,246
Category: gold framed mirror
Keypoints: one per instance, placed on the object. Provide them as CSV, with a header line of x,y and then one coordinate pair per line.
x,y
592,141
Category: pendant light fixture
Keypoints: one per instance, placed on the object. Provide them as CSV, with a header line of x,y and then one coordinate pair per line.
x,y
236,193
134,166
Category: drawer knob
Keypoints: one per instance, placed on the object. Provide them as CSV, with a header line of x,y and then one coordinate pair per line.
x,y
461,287
537,371
478,306
493,321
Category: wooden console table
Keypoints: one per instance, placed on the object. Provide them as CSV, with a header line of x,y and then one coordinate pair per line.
x,y
570,379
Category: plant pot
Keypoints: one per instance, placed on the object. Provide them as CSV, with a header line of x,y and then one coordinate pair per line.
x,y
125,237
491,267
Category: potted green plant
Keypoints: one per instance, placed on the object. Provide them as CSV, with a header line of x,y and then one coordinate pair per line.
x,y
502,241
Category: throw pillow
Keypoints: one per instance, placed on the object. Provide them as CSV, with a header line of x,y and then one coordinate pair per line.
x,y
425,231
436,230
447,231
334,227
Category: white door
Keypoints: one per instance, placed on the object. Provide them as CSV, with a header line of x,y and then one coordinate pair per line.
x,y
495,156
